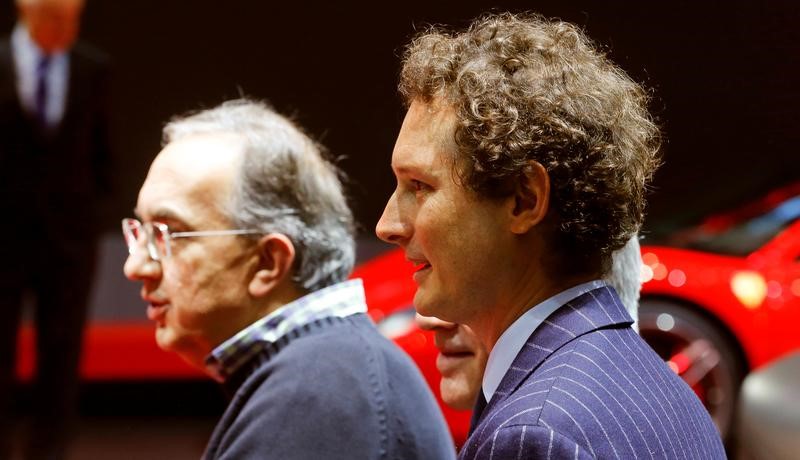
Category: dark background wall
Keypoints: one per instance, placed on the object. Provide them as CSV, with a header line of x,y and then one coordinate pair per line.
x,y
724,77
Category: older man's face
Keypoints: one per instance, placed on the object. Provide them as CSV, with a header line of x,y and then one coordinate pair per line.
x,y
456,238
198,296
461,361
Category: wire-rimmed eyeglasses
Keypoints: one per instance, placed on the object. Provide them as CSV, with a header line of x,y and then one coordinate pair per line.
x,y
157,236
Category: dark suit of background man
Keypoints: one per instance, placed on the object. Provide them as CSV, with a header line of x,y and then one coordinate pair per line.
x,y
53,156
521,166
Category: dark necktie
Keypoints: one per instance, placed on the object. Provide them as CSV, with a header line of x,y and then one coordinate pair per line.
x,y
41,90
480,405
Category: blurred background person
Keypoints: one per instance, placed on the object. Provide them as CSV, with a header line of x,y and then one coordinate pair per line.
x,y
53,152
462,357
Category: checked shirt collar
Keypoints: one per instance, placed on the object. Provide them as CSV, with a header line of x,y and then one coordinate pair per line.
x,y
340,300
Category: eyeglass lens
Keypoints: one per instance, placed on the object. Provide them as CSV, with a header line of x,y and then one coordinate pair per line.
x,y
154,236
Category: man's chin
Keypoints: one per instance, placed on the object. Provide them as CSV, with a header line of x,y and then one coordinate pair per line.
x,y
457,394
424,306
427,305
165,339
181,345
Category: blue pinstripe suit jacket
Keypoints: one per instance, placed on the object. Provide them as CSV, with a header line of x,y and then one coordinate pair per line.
x,y
585,385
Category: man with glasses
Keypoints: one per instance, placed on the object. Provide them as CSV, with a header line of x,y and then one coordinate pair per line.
x,y
243,242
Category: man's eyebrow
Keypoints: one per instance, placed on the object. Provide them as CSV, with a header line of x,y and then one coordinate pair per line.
x,y
408,166
160,214
414,169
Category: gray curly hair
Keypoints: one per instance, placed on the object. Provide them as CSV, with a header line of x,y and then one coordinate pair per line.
x,y
526,88
284,185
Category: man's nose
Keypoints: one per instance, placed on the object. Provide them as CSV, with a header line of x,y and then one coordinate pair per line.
x,y
391,227
139,266
432,323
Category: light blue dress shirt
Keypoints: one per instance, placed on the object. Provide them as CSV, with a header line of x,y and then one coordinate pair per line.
x,y
26,57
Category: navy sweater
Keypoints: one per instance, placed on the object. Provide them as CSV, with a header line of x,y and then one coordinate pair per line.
x,y
333,389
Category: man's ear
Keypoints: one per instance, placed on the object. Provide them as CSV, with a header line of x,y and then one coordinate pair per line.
x,y
531,198
276,257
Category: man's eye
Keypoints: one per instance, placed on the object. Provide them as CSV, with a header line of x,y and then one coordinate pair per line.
x,y
419,186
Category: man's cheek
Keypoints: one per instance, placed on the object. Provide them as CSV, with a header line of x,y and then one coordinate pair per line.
x,y
189,317
176,278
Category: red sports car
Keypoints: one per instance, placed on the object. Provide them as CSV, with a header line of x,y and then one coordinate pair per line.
x,y
723,298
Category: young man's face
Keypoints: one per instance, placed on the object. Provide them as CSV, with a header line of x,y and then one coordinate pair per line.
x,y
198,296
456,238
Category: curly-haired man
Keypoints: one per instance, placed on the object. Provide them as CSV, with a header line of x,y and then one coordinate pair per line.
x,y
521,166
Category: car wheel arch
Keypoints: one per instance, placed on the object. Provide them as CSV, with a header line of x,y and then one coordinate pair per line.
x,y
699,323
720,326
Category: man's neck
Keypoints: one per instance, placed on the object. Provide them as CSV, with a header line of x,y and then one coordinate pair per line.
x,y
536,289
283,294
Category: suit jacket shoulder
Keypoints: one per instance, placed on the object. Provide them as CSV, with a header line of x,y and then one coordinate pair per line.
x,y
586,384
8,89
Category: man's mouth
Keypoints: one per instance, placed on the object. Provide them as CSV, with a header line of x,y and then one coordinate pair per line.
x,y
421,271
456,354
156,311
420,265
449,361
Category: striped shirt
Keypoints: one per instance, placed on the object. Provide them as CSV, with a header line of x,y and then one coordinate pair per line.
x,y
340,300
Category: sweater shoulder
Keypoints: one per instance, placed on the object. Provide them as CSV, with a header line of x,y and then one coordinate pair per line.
x,y
329,384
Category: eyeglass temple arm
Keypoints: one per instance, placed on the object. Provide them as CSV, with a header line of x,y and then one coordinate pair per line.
x,y
214,233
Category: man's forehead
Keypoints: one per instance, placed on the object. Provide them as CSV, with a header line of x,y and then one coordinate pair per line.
x,y
436,119
194,172
426,142
51,6
199,153
429,127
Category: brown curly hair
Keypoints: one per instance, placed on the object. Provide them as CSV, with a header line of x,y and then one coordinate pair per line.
x,y
527,88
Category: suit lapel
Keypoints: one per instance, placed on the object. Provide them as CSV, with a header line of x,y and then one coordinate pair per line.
x,y
74,92
596,309
79,86
8,83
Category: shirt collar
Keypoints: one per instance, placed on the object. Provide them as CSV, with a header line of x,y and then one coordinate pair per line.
x,y
514,337
339,300
26,50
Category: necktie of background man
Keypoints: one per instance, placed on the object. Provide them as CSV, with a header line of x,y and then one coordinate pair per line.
x,y
42,69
